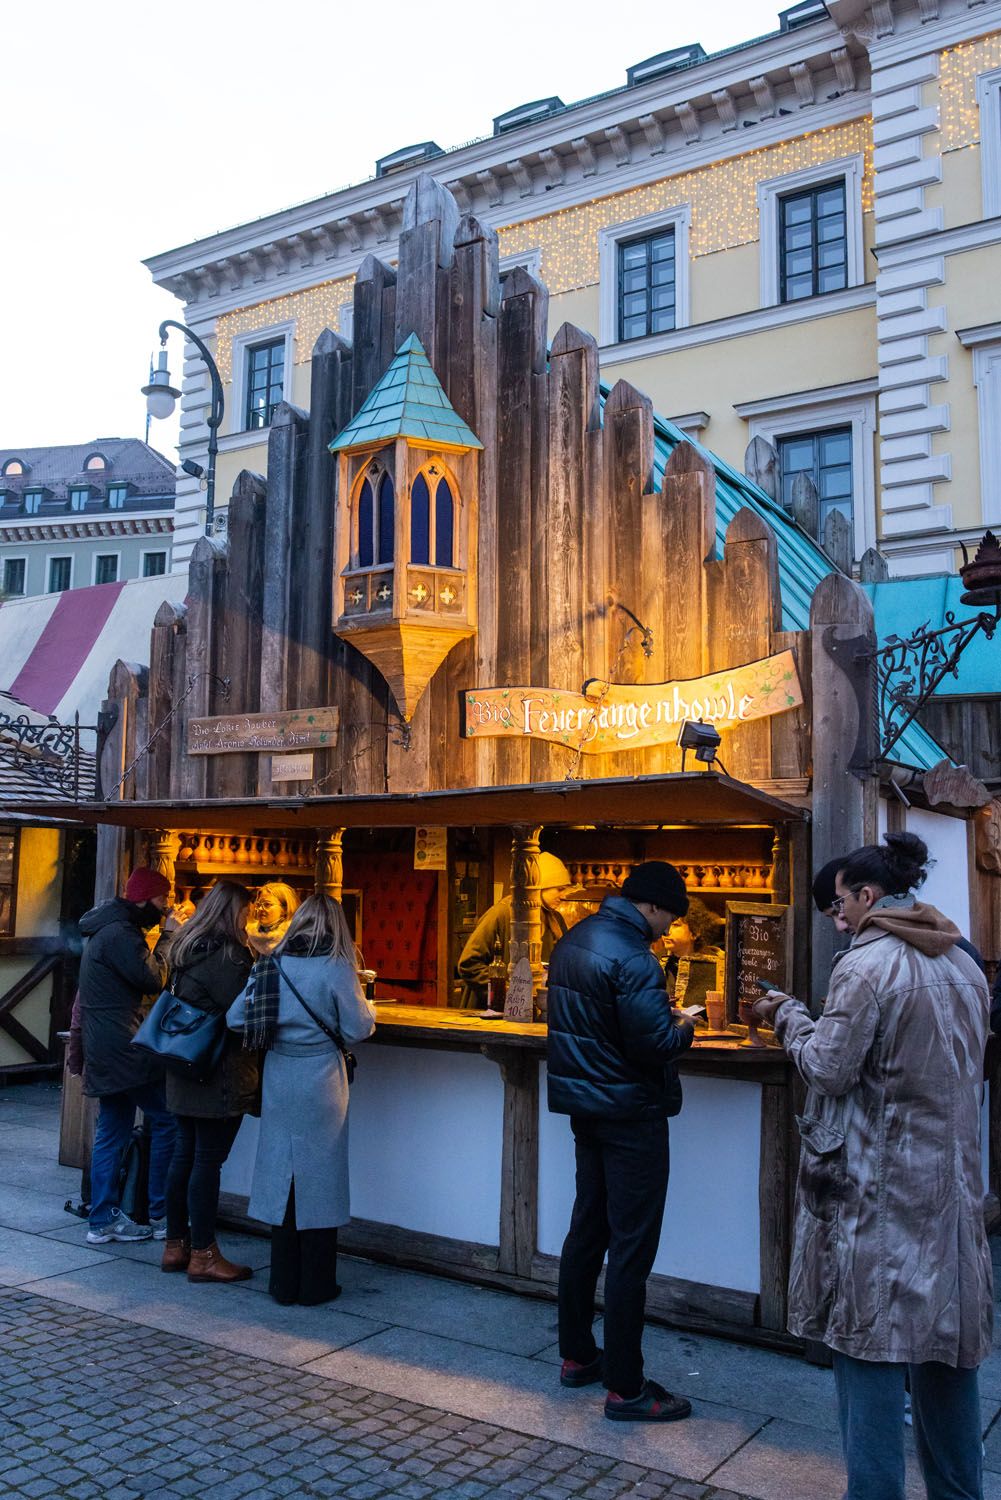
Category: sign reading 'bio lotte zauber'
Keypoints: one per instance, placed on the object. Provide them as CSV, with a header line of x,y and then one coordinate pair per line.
x,y
631,716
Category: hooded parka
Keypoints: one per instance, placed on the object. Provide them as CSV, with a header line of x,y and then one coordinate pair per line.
x,y
119,977
890,1259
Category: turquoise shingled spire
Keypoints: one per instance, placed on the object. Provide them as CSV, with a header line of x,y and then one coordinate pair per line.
x,y
407,402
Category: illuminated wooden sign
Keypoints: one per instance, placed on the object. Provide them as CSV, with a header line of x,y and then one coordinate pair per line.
x,y
631,716
282,731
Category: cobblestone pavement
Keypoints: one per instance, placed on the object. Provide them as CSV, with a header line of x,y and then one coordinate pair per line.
x,y
94,1407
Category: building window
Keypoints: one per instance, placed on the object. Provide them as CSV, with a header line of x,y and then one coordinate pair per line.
x,y
643,271
989,99
117,496
13,466
813,242
265,382
106,568
376,518
79,498
60,574
8,879
154,564
96,461
827,458
646,285
14,569
32,502
432,528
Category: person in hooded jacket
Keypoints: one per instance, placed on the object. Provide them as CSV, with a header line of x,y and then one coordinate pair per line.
x,y
210,961
890,1265
614,1041
118,976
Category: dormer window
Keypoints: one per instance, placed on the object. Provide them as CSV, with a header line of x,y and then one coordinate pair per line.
x,y
117,495
13,466
375,508
96,461
79,496
32,502
432,529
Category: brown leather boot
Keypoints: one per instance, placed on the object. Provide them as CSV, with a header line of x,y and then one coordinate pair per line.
x,y
176,1255
212,1265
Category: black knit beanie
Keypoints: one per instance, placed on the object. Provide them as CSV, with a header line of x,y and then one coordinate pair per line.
x,y
660,884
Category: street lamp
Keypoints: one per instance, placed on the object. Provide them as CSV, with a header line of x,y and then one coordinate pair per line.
x,y
161,396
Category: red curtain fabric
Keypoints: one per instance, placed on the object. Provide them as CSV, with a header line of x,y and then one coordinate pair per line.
x,y
399,914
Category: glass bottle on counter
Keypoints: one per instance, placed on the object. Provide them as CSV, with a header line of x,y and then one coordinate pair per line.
x,y
496,980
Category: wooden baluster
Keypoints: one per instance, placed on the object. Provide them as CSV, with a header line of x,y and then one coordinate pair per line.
x,y
526,926
330,864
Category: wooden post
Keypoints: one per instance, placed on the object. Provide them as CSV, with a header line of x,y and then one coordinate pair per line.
x,y
838,541
806,503
427,240
374,306
682,542
330,863
238,645
845,787
167,642
287,454
761,465
519,1207
628,461
777,1166
526,925
873,567
745,613
205,575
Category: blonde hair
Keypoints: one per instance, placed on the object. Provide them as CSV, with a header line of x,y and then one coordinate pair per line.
x,y
320,926
218,915
287,898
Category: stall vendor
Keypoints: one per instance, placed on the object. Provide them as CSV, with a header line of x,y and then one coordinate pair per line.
x,y
694,962
494,929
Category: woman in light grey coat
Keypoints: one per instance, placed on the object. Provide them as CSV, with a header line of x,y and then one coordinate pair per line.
x,y
304,1007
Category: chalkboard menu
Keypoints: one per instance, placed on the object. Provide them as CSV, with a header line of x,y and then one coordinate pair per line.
x,y
758,946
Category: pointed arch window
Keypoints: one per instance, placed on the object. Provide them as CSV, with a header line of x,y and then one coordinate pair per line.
x,y
376,508
432,518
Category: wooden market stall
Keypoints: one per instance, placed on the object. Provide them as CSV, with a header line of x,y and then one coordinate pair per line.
x,y
464,620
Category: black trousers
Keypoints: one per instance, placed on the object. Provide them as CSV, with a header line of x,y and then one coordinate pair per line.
x,y
622,1170
303,1261
200,1148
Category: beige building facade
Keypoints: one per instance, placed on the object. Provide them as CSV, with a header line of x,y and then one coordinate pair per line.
x,y
798,239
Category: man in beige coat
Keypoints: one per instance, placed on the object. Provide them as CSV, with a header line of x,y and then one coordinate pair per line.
x,y
891,1267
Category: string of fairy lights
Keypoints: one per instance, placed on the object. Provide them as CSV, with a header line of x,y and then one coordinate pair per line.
x,y
723,200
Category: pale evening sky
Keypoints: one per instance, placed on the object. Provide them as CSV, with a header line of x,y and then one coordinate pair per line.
x,y
129,129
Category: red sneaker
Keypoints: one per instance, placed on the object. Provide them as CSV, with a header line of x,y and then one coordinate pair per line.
x,y
653,1404
572,1373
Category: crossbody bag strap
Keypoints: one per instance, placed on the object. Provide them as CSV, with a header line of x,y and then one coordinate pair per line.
x,y
334,1036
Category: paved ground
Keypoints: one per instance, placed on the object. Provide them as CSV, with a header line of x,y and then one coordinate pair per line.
x,y
116,1381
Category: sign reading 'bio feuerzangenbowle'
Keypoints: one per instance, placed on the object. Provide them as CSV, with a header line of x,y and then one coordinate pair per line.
x,y
631,716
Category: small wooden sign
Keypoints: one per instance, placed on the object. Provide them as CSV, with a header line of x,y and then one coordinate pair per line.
x,y
518,1000
758,946
292,767
284,730
610,716
431,849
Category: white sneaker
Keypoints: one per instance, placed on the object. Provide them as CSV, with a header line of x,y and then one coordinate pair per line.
x,y
159,1228
119,1228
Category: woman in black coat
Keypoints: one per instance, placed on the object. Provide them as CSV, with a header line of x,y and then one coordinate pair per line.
x,y
210,962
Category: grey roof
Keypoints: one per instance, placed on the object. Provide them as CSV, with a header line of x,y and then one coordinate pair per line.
x,y
128,461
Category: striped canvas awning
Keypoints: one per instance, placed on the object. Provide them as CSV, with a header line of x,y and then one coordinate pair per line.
x,y
57,650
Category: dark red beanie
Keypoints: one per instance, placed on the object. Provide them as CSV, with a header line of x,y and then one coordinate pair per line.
x,y
145,884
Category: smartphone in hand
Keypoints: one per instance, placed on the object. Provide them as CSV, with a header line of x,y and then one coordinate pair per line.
x,y
769,989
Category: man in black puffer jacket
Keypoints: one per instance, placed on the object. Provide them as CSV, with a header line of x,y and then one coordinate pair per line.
x,y
613,1045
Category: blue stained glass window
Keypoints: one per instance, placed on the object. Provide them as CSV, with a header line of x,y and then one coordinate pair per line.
x,y
365,526
420,521
444,525
387,519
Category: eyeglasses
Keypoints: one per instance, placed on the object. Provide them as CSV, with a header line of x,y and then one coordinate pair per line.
x,y
838,906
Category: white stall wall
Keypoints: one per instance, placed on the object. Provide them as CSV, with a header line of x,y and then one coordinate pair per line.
x,y
711,1231
948,883
426,1140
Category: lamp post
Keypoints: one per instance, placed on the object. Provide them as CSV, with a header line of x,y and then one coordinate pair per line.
x,y
161,396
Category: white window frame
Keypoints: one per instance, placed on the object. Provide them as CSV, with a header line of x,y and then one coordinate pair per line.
x,y
242,342
529,260
50,558
679,219
989,100
118,565
852,169
788,416
987,379
154,552
16,557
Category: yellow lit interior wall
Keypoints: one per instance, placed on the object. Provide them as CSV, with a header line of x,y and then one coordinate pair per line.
x,y
39,885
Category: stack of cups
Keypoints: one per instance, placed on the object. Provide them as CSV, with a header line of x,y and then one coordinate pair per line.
x,y
715,1010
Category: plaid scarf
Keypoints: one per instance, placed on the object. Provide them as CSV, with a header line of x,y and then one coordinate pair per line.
x,y
263,994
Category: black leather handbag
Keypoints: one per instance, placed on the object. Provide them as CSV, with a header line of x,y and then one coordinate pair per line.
x,y
187,1040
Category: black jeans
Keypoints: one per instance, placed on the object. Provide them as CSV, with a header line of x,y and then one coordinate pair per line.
x,y
303,1262
200,1149
622,1169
